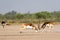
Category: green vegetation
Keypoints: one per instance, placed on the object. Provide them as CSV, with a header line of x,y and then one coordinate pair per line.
x,y
14,16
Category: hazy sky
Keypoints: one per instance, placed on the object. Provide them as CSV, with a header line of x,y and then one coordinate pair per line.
x,y
29,5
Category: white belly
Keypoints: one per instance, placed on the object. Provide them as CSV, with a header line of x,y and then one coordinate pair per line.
x,y
30,27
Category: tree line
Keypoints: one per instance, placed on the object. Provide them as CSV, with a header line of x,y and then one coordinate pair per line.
x,y
28,17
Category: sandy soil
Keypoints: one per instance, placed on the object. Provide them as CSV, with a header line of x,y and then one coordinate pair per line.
x,y
13,32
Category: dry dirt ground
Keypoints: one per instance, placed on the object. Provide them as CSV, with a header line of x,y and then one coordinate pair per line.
x,y
13,32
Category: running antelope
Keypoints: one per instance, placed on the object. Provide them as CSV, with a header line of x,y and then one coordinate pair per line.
x,y
48,26
28,26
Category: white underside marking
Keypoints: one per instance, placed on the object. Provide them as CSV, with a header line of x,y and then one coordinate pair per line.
x,y
29,27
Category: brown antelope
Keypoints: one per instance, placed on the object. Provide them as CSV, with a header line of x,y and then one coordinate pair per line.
x,y
28,26
45,25
48,25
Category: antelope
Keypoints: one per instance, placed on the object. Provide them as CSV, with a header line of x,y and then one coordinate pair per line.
x,y
45,25
48,25
28,26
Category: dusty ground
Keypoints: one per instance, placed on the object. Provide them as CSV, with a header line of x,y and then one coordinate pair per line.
x,y
12,32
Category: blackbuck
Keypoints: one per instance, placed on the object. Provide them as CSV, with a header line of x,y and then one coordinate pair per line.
x,y
48,25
